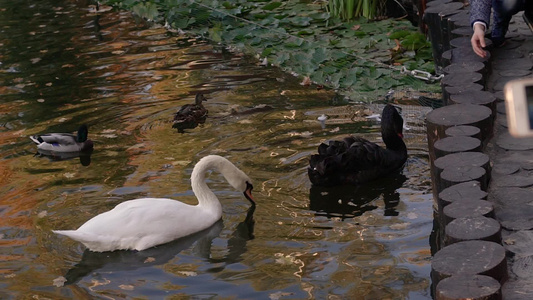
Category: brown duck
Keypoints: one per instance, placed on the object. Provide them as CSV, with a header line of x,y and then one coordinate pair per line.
x,y
190,115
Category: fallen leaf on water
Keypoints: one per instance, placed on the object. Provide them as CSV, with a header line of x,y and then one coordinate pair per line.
x,y
69,175
412,216
126,287
98,283
40,100
278,295
149,260
356,27
59,281
42,214
180,163
306,81
188,273
400,226
35,60
398,46
49,84
136,146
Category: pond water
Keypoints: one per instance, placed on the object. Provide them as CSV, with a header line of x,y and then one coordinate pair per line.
x,y
62,65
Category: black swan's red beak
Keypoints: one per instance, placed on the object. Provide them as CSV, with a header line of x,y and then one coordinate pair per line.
x,y
248,192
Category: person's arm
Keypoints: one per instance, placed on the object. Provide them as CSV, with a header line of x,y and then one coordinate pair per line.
x,y
480,11
478,39
479,19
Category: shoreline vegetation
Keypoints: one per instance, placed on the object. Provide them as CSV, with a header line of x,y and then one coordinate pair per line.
x,y
359,58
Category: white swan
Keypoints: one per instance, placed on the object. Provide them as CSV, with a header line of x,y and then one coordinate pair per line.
x,y
143,223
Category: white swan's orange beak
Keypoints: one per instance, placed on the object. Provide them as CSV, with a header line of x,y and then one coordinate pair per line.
x,y
248,192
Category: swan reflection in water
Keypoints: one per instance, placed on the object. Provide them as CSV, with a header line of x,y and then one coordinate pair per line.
x,y
128,260
85,156
349,201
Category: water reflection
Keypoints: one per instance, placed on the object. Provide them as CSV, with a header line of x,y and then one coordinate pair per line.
x,y
84,156
119,261
238,240
350,201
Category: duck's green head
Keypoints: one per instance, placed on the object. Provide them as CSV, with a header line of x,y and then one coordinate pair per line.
x,y
83,133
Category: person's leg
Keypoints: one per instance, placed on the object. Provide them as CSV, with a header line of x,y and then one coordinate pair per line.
x,y
503,11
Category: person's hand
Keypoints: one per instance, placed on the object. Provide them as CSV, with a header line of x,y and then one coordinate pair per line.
x,y
478,40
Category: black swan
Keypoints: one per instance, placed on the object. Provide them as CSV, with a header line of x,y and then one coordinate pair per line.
x,y
190,115
355,160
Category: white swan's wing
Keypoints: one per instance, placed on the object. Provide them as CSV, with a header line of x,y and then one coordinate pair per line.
x,y
140,224
94,242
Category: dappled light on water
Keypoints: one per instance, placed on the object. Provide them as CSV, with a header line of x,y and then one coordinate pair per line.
x,y
68,65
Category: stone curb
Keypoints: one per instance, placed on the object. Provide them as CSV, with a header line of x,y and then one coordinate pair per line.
x,y
479,172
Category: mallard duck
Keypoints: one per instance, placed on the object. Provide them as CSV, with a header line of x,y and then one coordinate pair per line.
x,y
356,160
190,115
64,142
143,223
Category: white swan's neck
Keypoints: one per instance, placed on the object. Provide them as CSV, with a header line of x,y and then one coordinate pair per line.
x,y
207,200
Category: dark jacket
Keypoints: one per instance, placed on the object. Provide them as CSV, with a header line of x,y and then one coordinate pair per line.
x,y
480,11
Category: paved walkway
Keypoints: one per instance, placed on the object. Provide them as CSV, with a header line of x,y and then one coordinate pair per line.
x,y
511,187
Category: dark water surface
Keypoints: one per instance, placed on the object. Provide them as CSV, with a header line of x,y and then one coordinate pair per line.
x,y
62,65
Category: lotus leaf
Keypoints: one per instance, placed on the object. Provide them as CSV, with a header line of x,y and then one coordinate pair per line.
x,y
301,37
272,5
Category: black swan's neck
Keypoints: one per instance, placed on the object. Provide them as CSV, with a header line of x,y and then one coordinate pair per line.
x,y
393,141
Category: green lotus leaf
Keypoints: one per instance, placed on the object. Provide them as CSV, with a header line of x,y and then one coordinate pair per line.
x,y
319,55
400,34
272,5
306,32
279,58
267,51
